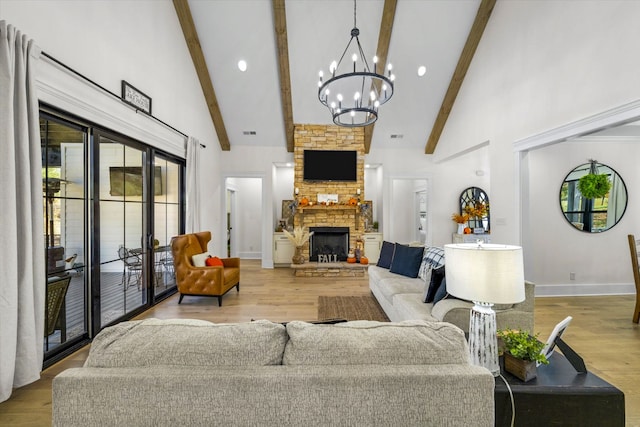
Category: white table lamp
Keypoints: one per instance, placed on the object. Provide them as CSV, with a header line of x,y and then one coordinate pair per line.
x,y
486,274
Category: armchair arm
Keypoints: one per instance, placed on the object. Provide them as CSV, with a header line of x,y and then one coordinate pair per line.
x,y
231,262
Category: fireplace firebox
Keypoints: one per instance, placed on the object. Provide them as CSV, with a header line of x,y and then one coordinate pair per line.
x,y
332,242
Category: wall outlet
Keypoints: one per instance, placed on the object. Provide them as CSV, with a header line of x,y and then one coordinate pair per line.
x,y
572,276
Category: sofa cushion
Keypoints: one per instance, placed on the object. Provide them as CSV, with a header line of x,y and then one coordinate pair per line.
x,y
375,343
400,285
176,342
386,254
406,260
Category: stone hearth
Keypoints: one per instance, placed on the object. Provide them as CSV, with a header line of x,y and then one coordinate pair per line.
x,y
329,269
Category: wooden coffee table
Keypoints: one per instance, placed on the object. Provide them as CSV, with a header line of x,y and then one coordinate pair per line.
x,y
559,396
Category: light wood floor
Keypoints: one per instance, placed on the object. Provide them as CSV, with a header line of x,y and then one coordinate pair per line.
x,y
601,331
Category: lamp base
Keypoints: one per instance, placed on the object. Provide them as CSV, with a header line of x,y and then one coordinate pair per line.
x,y
483,341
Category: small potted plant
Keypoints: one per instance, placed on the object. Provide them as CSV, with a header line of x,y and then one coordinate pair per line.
x,y
522,352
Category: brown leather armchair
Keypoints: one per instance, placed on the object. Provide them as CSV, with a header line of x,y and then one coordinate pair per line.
x,y
202,281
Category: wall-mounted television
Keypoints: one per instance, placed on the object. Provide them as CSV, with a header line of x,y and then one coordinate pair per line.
x,y
127,180
330,165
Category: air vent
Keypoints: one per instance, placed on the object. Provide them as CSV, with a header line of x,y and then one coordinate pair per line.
x,y
397,136
249,132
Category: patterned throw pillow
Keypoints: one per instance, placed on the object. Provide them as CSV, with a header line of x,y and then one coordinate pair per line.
x,y
434,257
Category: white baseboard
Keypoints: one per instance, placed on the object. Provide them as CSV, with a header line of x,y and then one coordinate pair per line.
x,y
586,289
250,255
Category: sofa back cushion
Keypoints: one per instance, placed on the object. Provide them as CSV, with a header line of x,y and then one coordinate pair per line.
x,y
361,342
154,342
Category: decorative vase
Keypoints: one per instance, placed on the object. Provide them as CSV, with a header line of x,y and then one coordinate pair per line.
x,y
461,227
298,258
524,369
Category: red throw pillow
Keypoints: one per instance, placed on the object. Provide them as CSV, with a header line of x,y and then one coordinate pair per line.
x,y
213,261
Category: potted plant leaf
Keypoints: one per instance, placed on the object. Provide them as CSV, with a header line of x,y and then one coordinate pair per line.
x,y
522,352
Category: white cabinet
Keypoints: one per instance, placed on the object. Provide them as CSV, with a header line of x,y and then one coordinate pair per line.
x,y
471,238
372,246
283,249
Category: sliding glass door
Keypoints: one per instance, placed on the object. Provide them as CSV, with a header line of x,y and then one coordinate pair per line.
x,y
63,146
166,211
121,225
111,206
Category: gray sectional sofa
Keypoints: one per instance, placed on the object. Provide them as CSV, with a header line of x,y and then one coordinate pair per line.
x,y
401,298
196,373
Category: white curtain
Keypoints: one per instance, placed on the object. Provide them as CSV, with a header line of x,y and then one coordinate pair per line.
x,y
22,255
193,185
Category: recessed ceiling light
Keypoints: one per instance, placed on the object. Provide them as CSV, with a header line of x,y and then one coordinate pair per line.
x,y
422,70
242,65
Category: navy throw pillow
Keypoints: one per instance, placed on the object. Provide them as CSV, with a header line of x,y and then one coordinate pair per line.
x,y
437,275
406,260
386,254
441,293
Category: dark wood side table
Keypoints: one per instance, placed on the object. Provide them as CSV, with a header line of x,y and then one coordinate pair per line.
x,y
559,396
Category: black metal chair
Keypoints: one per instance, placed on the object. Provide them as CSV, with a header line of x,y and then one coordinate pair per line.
x,y
132,267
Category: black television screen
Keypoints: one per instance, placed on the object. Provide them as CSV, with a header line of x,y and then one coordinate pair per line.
x,y
330,165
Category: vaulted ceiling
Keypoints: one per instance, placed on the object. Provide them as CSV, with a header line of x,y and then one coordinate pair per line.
x,y
286,43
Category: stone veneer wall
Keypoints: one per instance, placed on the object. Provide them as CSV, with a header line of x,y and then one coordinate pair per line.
x,y
323,137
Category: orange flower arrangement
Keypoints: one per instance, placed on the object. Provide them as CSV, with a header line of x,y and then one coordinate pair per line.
x,y
460,218
477,209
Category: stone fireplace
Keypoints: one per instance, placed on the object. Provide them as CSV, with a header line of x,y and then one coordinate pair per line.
x,y
340,215
331,244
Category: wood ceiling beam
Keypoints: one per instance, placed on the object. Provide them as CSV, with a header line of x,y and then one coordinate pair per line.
x,y
280,28
384,38
197,56
480,23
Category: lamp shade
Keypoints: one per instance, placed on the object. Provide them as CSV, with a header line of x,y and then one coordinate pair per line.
x,y
488,273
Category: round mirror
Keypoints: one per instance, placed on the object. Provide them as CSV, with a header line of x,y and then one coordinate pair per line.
x,y
475,203
599,213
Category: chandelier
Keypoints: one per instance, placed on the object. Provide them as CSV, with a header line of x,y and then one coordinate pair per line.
x,y
353,92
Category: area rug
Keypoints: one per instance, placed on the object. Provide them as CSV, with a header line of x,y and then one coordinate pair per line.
x,y
350,308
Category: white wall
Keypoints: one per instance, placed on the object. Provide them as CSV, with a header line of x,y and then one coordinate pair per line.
x,y
445,181
108,43
597,259
539,65
256,162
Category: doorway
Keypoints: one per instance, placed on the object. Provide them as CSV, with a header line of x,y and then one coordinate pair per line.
x,y
244,213
410,223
